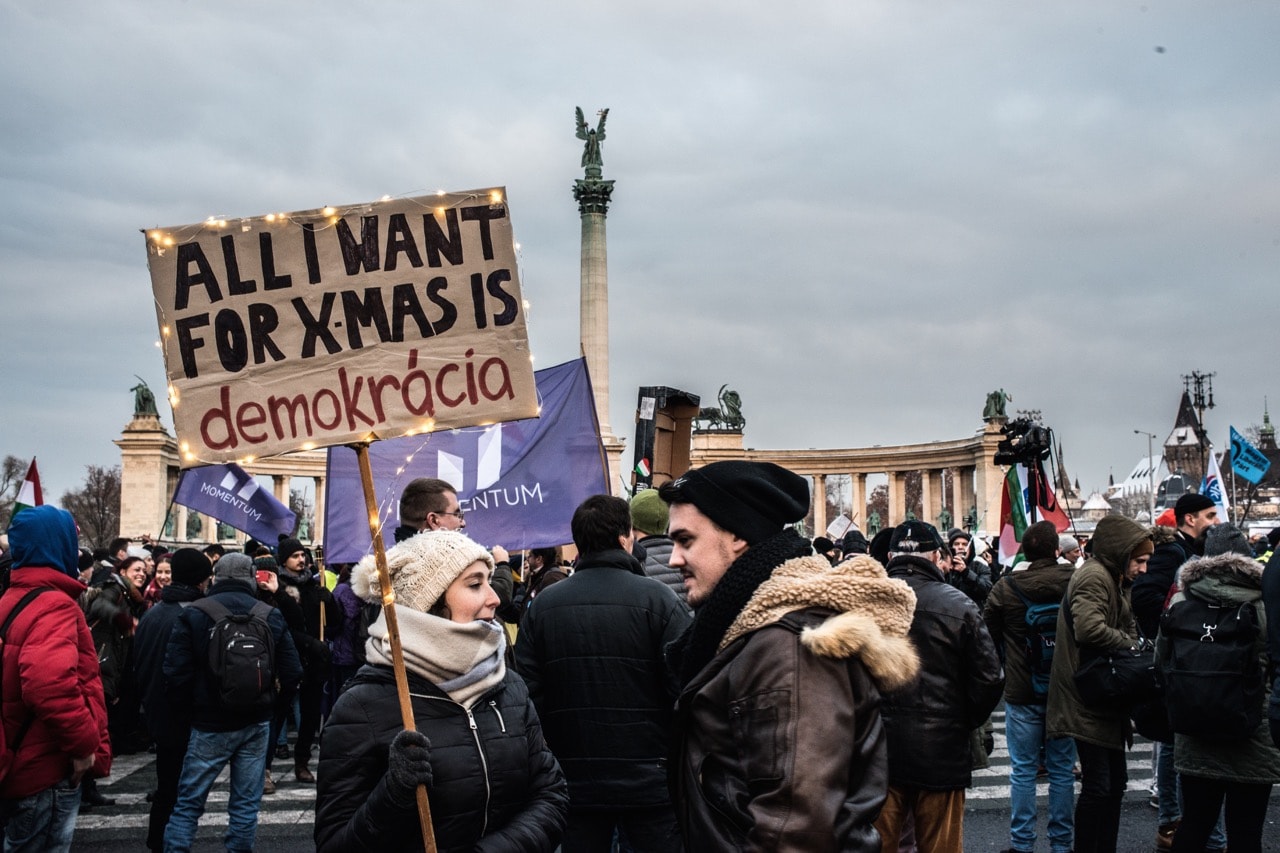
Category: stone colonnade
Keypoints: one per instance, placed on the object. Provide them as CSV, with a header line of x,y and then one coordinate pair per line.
x,y
150,470
976,479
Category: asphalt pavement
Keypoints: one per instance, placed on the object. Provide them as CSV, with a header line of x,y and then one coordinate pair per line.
x,y
285,822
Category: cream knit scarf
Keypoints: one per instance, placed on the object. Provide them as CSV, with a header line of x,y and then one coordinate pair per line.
x,y
464,660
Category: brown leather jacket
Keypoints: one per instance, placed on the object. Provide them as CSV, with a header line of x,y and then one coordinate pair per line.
x,y
779,742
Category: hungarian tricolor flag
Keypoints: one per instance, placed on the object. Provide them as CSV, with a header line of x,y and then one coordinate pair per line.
x,y
30,493
1013,515
642,468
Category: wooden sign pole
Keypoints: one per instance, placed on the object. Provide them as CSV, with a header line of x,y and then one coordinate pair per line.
x,y
393,631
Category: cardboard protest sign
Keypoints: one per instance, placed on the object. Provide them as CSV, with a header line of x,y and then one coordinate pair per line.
x,y
321,327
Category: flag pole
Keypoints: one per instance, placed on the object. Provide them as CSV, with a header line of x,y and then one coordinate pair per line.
x,y
1234,503
393,630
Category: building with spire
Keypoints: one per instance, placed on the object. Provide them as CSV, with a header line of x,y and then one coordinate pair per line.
x,y
1186,449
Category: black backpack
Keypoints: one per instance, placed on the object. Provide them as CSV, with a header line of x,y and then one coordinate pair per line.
x,y
1213,683
242,654
1039,640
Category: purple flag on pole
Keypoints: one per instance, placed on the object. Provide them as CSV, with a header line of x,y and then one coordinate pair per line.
x,y
231,495
519,482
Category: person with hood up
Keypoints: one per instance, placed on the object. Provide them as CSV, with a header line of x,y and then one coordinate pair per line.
x,y
492,782
1096,616
1239,771
52,706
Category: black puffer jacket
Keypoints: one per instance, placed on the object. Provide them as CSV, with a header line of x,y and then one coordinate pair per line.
x,y
657,564
591,650
106,609
167,723
496,785
930,722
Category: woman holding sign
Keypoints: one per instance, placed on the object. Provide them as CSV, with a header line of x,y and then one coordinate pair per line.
x,y
492,782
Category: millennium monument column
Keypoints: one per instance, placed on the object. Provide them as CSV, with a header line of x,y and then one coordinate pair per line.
x,y
592,193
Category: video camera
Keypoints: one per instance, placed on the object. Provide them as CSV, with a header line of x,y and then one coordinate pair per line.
x,y
1025,442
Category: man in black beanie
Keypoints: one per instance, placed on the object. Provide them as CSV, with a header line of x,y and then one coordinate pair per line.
x,y
169,725
778,733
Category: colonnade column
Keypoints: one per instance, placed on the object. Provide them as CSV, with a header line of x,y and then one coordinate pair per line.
x,y
819,505
858,496
897,499
928,506
936,495
317,524
964,494
280,486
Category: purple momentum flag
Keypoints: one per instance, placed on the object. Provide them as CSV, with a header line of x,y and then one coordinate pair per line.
x,y
231,495
519,482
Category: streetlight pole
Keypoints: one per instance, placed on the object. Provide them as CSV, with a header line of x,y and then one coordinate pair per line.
x,y
1151,471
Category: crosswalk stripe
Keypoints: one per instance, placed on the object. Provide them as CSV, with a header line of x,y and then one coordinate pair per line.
x,y
131,780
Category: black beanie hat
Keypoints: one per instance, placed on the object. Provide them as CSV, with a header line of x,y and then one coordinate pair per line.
x,y
1189,503
287,548
190,567
752,500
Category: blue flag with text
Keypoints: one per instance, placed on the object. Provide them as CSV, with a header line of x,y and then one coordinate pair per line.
x,y
518,482
230,494
1246,460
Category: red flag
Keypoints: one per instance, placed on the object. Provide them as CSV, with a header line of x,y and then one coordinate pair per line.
x,y
1047,506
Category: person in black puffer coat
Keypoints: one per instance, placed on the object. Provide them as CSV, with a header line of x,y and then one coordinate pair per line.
x,y
492,782
590,649
169,725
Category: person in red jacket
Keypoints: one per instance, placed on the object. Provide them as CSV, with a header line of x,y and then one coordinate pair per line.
x,y
52,707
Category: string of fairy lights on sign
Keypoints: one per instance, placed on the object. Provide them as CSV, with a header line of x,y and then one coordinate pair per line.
x,y
320,220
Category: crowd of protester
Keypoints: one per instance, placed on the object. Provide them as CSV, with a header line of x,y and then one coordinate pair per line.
x,y
697,676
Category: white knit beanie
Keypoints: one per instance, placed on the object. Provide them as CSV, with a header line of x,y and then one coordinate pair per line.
x,y
421,568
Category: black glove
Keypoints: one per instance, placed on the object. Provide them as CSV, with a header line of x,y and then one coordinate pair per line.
x,y
408,766
1275,732
989,743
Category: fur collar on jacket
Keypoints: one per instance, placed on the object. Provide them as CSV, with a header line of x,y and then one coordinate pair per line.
x,y
1246,569
873,614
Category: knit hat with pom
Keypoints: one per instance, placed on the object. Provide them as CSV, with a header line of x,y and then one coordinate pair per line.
x,y
421,568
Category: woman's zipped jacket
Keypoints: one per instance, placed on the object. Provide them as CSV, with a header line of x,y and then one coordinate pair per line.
x,y
495,786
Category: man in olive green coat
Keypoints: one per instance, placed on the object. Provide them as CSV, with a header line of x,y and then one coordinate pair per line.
x,y
1096,614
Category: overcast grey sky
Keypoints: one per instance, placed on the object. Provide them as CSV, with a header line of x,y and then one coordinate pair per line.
x,y
862,216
